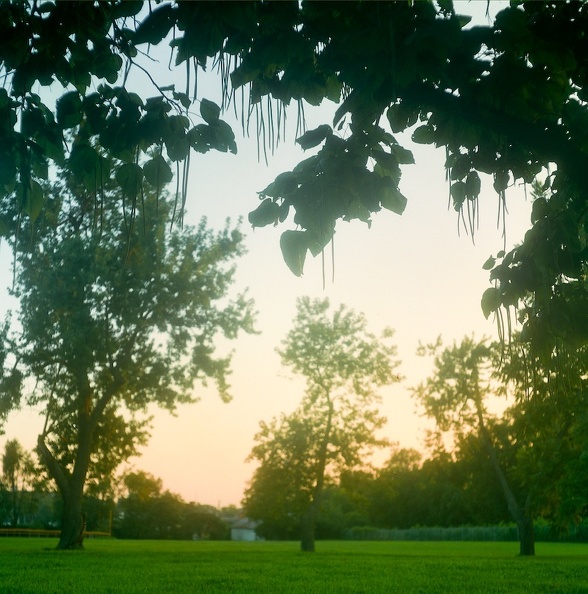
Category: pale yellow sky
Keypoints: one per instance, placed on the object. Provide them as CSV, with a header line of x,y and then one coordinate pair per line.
x,y
412,273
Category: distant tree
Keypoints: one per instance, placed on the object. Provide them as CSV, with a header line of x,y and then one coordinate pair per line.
x,y
203,522
136,517
18,483
395,497
336,423
455,395
549,419
111,323
147,511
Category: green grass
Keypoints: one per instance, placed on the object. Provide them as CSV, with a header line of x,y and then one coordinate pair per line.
x,y
31,565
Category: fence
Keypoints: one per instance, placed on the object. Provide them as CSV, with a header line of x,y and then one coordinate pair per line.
x,y
543,533
37,533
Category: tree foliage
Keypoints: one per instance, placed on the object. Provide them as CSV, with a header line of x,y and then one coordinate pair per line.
x,y
537,448
111,324
456,395
336,423
505,99
17,485
147,511
549,421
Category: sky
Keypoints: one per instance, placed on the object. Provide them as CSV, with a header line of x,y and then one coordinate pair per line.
x,y
419,273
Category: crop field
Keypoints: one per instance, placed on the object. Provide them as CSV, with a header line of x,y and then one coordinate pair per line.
x,y
31,565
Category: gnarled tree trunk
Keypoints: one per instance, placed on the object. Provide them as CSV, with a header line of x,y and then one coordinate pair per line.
x,y
73,523
71,487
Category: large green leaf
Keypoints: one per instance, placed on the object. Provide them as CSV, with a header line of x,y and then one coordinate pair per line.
x,y
294,245
458,193
267,213
209,111
155,26
284,184
314,137
403,155
489,264
461,167
392,199
401,117
473,185
490,301
130,178
157,172
69,110
424,135
224,137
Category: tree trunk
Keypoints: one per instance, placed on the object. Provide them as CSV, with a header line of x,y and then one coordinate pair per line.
x,y
307,529
71,488
73,522
526,536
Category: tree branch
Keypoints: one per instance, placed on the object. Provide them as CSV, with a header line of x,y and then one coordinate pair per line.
x,y
59,474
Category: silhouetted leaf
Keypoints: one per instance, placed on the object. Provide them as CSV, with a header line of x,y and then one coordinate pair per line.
x,y
209,111
461,167
489,264
128,8
284,184
130,177
473,185
314,137
424,135
403,155
490,301
157,172
392,199
155,26
401,117
501,180
266,213
69,110
294,246
458,193
224,137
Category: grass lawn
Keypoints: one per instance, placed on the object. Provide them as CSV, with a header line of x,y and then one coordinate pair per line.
x,y
30,565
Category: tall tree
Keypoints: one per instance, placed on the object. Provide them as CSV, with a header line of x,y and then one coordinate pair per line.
x,y
506,99
455,395
112,323
336,423
550,423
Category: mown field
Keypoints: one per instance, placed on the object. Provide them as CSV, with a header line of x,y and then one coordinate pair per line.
x,y
31,565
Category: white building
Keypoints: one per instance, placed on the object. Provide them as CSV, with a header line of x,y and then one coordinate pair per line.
x,y
244,530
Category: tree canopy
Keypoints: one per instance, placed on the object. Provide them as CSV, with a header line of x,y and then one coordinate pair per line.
x,y
111,324
536,447
505,99
456,396
336,423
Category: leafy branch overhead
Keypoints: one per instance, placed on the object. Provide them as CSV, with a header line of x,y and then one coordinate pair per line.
x,y
506,99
